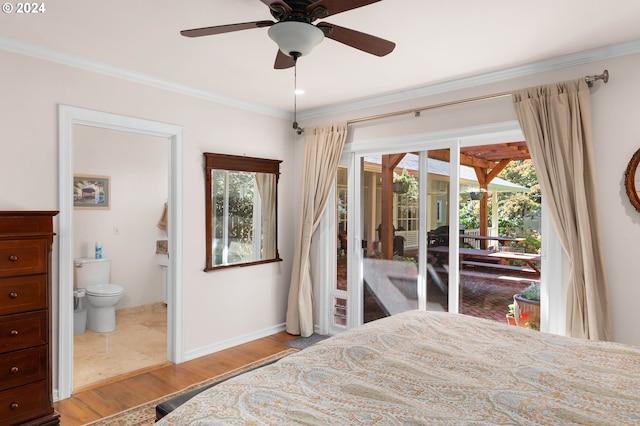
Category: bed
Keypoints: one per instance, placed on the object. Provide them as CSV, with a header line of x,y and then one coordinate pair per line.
x,y
432,368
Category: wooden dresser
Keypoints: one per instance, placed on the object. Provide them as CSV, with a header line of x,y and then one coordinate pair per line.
x,y
25,318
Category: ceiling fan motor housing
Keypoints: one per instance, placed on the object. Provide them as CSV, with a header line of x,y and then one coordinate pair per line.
x,y
295,38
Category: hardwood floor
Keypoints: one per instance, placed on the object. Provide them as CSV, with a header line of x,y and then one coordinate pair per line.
x,y
110,398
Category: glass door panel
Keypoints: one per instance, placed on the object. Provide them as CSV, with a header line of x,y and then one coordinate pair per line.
x,y
339,292
500,234
390,246
438,210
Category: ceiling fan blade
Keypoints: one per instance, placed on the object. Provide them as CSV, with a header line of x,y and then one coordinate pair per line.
x,y
362,41
333,7
283,61
220,29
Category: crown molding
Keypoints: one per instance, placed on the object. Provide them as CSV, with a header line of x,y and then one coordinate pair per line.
x,y
550,64
23,48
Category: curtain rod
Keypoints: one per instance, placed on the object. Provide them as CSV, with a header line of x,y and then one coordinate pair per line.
x,y
590,79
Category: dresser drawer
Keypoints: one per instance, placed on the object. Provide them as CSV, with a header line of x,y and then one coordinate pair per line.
x,y
22,294
23,257
22,367
24,403
23,331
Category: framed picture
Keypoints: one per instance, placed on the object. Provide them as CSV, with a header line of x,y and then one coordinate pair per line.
x,y
91,192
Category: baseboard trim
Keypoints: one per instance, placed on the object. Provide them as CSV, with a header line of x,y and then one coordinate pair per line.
x,y
226,344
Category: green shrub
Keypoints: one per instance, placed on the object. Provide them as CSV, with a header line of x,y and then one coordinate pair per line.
x,y
532,292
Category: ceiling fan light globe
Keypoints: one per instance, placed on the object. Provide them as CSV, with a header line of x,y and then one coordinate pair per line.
x,y
294,37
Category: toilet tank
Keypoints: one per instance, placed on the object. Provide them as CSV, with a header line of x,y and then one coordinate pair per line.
x,y
90,271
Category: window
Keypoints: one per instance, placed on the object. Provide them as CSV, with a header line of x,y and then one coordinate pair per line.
x,y
407,213
241,210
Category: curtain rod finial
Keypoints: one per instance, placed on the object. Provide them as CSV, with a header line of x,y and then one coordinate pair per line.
x,y
590,79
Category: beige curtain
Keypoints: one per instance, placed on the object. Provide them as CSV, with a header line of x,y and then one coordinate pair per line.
x,y
323,148
266,183
556,121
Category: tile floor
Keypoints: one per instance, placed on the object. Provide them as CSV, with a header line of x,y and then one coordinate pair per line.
x,y
138,343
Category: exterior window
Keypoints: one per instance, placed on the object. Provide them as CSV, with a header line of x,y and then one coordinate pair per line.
x,y
407,213
237,205
241,210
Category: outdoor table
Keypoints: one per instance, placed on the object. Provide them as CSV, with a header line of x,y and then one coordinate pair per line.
x,y
503,257
503,241
530,259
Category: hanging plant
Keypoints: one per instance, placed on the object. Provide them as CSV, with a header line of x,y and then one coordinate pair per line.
x,y
477,194
398,188
406,184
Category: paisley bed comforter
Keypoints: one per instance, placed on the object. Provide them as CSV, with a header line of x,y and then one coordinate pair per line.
x,y
432,368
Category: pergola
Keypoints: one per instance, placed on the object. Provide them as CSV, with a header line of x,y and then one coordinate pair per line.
x,y
487,161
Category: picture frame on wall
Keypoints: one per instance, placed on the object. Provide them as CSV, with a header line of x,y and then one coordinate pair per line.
x,y
91,192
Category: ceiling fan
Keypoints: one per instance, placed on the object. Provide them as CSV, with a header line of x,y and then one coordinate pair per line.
x,y
296,35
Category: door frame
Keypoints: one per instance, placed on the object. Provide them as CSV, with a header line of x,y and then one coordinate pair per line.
x,y
355,311
69,116
474,135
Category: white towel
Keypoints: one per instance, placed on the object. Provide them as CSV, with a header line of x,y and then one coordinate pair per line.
x,y
162,223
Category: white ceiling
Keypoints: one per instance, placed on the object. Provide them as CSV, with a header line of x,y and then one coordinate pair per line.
x,y
436,41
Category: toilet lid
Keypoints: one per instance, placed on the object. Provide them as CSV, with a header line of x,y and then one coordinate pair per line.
x,y
104,289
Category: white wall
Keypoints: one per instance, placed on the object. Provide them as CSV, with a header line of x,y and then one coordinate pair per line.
x,y
219,307
616,128
138,168
227,305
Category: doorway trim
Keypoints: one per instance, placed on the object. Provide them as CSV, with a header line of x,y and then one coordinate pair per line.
x,y
69,116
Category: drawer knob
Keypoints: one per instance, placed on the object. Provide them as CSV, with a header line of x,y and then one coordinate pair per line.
x,y
13,258
13,295
14,332
14,370
14,406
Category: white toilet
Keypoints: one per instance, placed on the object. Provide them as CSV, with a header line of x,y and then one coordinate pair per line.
x,y
102,296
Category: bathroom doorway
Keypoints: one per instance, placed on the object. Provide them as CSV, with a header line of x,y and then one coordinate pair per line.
x,y
126,218
69,117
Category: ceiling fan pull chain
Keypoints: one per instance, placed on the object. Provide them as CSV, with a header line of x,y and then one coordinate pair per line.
x,y
297,128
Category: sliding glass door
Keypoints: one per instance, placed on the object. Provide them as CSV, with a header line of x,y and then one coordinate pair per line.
x,y
412,235
390,206
400,196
